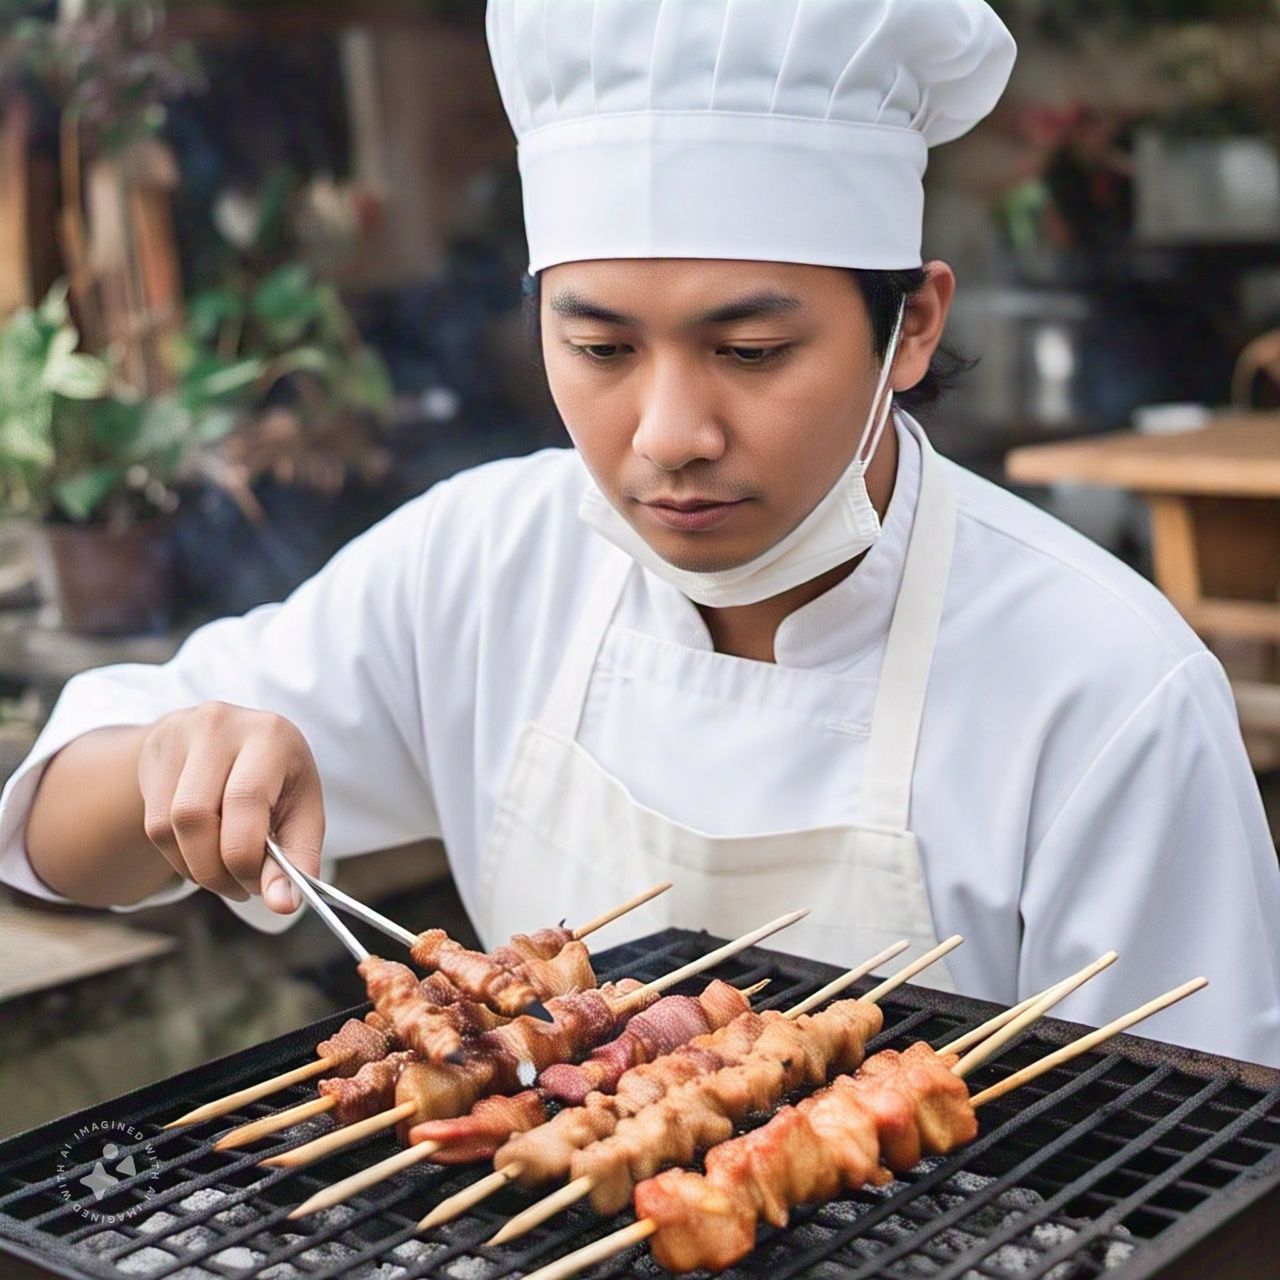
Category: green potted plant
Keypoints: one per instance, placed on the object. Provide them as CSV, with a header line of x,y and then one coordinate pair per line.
x,y
92,468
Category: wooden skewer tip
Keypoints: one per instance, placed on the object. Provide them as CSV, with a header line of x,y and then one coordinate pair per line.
x,y
255,1129
1090,1041
357,1182
536,1214
340,1138
233,1101
607,917
468,1197
599,1251
846,979
909,971
977,1056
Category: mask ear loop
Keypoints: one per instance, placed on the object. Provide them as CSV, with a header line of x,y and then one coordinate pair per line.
x,y
880,418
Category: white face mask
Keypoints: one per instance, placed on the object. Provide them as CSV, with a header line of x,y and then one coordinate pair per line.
x,y
843,525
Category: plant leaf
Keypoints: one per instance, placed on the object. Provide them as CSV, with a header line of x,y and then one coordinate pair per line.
x,y
74,374
210,309
286,303
81,494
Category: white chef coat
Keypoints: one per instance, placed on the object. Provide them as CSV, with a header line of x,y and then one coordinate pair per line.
x,y
1080,779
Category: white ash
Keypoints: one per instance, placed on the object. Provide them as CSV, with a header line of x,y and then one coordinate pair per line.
x,y
104,1241
237,1215
1049,1235
967,1181
846,1210
379,1271
159,1222
326,1254
1006,1211
895,1228
192,1238
280,1271
1118,1252
205,1198
412,1250
468,1268
918,1264
238,1256
143,1261
338,1216
274,1242
955,1241
192,1273
1011,1258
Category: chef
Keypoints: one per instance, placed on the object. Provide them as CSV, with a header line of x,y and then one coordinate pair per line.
x,y
751,634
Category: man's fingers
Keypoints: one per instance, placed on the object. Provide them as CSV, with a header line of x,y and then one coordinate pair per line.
x,y
299,832
196,815
157,783
248,799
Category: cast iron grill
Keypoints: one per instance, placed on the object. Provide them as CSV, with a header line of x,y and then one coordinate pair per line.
x,y
1137,1160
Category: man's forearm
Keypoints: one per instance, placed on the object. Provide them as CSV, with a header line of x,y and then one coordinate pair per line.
x,y
85,834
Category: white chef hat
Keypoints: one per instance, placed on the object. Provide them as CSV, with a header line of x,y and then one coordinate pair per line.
x,y
776,130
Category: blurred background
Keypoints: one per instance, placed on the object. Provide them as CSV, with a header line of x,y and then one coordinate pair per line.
x,y
260,271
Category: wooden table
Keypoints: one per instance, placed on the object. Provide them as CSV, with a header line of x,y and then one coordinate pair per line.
x,y
1214,497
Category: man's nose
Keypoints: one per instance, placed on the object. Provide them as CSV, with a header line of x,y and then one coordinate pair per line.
x,y
679,423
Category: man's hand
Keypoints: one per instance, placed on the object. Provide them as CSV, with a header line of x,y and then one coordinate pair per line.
x,y
215,781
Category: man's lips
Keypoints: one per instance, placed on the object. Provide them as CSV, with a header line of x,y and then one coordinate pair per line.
x,y
689,514
690,504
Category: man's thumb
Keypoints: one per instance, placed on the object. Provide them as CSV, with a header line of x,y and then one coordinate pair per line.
x,y
302,848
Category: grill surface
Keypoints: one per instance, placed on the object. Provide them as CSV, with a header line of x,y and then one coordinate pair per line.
x,y
1137,1160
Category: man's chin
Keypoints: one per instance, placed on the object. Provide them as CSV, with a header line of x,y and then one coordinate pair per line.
x,y
677,552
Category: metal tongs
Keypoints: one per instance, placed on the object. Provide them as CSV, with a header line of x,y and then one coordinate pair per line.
x,y
314,891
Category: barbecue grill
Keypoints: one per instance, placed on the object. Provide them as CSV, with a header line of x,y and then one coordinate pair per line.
x,y
1137,1160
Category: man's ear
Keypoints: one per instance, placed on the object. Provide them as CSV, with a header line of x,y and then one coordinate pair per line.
x,y
922,326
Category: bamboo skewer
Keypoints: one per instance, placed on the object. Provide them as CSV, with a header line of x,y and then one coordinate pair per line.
x,y
579,1188
491,1183
1090,1041
622,1008
277,1120
233,1101
405,1159
976,1057
244,1134
618,1241
376,1173
480,1190
637,997
607,917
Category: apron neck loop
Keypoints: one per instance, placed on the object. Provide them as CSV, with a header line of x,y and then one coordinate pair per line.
x,y
908,654
562,711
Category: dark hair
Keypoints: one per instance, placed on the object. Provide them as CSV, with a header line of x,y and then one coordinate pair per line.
x,y
882,291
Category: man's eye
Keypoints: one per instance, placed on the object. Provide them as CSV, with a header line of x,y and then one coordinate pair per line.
x,y
758,355
600,352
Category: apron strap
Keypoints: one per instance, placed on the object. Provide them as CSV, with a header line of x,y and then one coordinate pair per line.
x,y
562,710
904,674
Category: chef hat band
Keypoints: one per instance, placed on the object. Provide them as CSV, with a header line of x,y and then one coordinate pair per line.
x,y
773,130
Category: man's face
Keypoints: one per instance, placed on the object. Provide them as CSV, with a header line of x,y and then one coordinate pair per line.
x,y
714,435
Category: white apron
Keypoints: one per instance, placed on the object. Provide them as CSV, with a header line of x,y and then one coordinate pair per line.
x,y
568,840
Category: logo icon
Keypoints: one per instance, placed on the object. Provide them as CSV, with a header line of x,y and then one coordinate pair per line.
x,y
104,1156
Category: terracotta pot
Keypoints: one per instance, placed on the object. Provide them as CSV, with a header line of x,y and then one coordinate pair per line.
x,y
108,582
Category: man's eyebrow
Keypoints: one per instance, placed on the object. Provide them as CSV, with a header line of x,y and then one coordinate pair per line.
x,y
764,302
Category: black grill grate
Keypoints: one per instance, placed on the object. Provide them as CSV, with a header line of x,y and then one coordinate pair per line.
x,y
1123,1162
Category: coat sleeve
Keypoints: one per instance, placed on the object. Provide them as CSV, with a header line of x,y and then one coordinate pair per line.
x,y
340,657
1161,852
